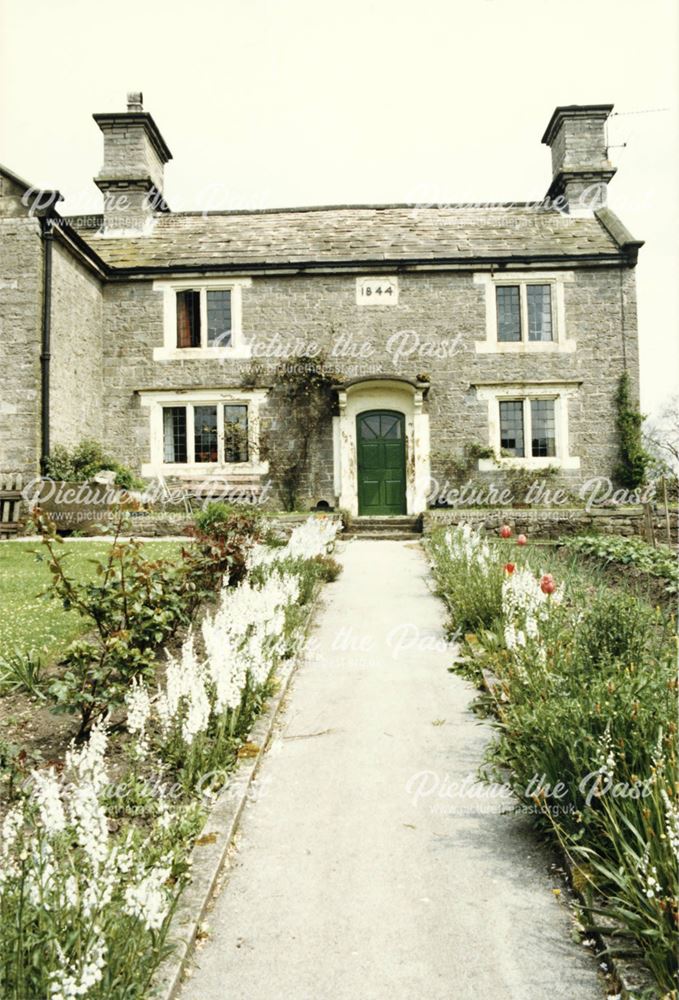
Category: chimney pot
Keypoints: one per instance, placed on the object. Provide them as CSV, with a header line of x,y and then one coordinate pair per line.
x,y
135,101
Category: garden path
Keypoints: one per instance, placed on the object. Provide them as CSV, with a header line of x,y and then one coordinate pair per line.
x,y
346,883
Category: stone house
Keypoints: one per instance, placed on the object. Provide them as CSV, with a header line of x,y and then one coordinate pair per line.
x,y
344,354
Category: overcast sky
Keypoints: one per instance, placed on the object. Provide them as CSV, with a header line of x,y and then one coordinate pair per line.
x,y
300,102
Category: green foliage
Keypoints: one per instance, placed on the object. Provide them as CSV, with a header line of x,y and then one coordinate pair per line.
x,y
155,806
217,519
470,587
328,568
522,482
458,469
41,937
657,562
346,517
304,392
633,459
81,463
585,712
589,721
22,671
224,534
134,603
614,630
29,619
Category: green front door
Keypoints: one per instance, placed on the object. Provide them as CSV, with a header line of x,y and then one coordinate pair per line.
x,y
380,436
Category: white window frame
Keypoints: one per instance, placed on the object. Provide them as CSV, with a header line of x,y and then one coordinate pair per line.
x,y
556,280
156,400
493,394
169,351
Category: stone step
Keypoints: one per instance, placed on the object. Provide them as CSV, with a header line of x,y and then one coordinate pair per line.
x,y
381,536
363,525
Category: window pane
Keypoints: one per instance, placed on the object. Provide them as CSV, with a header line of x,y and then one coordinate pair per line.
x,y
188,319
174,433
219,318
543,427
511,427
235,433
508,313
390,427
205,433
370,427
539,312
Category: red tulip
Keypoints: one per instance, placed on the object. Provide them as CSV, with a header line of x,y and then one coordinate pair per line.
x,y
510,567
505,531
521,540
547,585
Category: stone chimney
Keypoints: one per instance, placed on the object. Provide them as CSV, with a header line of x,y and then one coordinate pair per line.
x,y
131,178
580,166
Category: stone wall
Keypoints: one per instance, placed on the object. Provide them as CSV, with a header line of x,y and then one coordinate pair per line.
x,y
557,522
439,308
76,391
158,525
21,276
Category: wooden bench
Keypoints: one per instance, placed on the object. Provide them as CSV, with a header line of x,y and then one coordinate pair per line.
x,y
11,500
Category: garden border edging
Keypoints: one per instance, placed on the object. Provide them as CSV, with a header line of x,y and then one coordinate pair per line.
x,y
208,858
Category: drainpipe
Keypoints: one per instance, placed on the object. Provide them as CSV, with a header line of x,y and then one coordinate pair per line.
x,y
45,353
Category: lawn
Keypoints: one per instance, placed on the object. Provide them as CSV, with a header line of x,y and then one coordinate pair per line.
x,y
31,621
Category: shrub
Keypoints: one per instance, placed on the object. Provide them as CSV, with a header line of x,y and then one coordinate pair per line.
x,y
216,519
135,603
224,536
85,461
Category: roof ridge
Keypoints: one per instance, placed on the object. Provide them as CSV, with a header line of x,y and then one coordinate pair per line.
x,y
536,207
372,206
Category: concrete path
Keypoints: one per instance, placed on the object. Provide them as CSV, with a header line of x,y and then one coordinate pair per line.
x,y
353,878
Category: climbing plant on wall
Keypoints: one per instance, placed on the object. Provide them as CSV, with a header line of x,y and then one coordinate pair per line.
x,y
633,459
303,394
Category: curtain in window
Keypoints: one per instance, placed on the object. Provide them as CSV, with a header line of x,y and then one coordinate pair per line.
x,y
188,319
174,434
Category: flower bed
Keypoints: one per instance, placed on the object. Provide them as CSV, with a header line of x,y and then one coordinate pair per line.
x,y
660,562
585,705
95,843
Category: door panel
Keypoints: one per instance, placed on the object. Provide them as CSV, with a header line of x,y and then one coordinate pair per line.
x,y
380,438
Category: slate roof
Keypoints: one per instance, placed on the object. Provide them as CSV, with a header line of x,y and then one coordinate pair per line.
x,y
346,234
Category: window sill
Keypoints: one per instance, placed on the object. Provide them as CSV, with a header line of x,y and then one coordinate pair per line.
x,y
209,470
494,465
525,347
201,353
